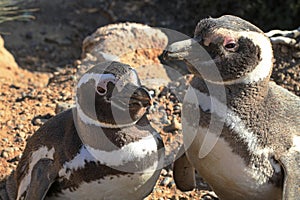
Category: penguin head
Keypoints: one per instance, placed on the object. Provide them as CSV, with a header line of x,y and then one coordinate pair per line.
x,y
237,49
111,93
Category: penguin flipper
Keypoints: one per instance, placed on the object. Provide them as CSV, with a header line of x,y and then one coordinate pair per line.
x,y
42,177
184,173
291,165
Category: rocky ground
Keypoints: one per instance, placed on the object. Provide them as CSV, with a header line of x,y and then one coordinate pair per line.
x,y
47,52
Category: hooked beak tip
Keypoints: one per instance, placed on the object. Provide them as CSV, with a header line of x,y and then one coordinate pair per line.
x,y
143,95
179,50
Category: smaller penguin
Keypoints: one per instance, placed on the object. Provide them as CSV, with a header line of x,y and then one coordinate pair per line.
x,y
247,138
103,148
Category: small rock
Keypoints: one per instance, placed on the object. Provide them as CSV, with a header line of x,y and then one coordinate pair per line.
x,y
23,118
164,119
296,54
9,149
164,172
62,107
21,134
174,126
4,154
177,109
171,184
10,124
165,181
19,139
40,120
37,122
20,126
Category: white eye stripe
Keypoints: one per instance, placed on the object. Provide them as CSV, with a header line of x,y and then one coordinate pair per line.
x,y
101,80
97,77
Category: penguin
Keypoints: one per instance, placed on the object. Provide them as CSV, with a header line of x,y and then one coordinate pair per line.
x,y
103,148
241,131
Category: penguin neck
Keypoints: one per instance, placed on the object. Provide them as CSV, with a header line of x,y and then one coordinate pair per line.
x,y
236,95
241,94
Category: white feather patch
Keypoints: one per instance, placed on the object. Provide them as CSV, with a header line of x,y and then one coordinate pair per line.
x,y
90,121
233,121
114,187
97,77
129,152
264,67
41,153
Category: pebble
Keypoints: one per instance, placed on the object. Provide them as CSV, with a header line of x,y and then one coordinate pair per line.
x,y
296,54
165,181
61,106
171,184
5,140
164,172
37,121
19,139
281,76
176,109
21,134
164,119
23,118
20,126
174,126
10,123
9,149
4,154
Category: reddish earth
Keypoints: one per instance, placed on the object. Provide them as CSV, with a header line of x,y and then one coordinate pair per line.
x,y
46,50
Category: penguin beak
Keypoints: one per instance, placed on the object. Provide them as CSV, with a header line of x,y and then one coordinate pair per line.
x,y
180,50
141,96
132,96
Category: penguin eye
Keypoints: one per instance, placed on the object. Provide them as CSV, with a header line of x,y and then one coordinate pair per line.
x,y
101,87
230,45
100,90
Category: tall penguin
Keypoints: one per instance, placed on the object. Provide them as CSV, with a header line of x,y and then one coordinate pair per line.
x,y
247,141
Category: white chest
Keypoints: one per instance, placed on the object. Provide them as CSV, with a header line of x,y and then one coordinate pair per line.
x,y
227,173
213,158
134,186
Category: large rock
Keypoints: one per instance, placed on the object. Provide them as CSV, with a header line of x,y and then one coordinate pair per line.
x,y
7,62
135,44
